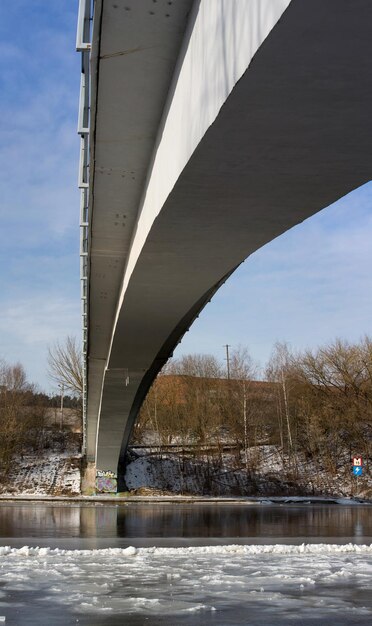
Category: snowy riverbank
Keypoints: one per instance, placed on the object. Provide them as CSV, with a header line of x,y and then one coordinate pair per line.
x,y
55,472
52,471
271,473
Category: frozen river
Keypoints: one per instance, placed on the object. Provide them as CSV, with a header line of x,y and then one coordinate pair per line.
x,y
188,564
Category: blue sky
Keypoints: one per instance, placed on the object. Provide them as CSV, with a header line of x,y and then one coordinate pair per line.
x,y
39,201
307,287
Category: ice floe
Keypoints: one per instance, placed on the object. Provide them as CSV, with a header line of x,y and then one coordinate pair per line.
x,y
329,581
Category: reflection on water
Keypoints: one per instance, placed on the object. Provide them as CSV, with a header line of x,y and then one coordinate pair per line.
x,y
122,524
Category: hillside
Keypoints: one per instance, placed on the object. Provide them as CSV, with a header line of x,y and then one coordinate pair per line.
x,y
270,474
53,466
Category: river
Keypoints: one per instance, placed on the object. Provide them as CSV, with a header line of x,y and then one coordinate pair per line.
x,y
175,564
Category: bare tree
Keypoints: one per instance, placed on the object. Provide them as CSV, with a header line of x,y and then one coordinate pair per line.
x,y
243,371
338,384
280,370
21,425
196,365
65,365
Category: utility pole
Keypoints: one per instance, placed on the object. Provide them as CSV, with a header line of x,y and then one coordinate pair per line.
x,y
62,388
245,426
227,346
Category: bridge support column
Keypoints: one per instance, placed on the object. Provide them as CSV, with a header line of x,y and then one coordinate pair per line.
x,y
88,479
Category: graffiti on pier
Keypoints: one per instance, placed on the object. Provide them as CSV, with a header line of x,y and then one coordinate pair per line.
x,y
106,481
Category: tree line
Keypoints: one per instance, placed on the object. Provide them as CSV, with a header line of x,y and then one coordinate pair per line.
x,y
314,405
24,409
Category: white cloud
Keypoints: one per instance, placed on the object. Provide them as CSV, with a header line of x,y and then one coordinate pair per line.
x,y
39,320
39,204
29,325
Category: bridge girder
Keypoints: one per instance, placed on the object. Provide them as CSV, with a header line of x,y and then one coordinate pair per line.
x,y
266,121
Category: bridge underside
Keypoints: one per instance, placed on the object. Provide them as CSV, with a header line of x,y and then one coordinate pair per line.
x,y
292,137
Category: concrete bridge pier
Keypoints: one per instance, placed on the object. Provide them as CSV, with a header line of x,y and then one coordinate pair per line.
x,y
88,479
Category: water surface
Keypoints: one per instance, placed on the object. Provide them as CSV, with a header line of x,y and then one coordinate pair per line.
x,y
164,524
194,576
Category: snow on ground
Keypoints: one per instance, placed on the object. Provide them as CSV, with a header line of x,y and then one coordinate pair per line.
x,y
270,584
56,471
51,471
270,473
50,474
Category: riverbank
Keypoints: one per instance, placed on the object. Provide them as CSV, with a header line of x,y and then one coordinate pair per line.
x,y
174,499
52,470
269,473
55,473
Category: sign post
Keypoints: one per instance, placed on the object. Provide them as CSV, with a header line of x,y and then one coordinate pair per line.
x,y
357,469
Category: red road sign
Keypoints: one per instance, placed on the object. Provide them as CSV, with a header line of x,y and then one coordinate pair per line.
x,y
357,461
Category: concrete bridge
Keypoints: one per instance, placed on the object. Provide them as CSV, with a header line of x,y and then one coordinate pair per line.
x,y
208,128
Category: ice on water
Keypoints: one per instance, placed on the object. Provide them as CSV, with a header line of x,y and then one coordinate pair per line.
x,y
276,583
